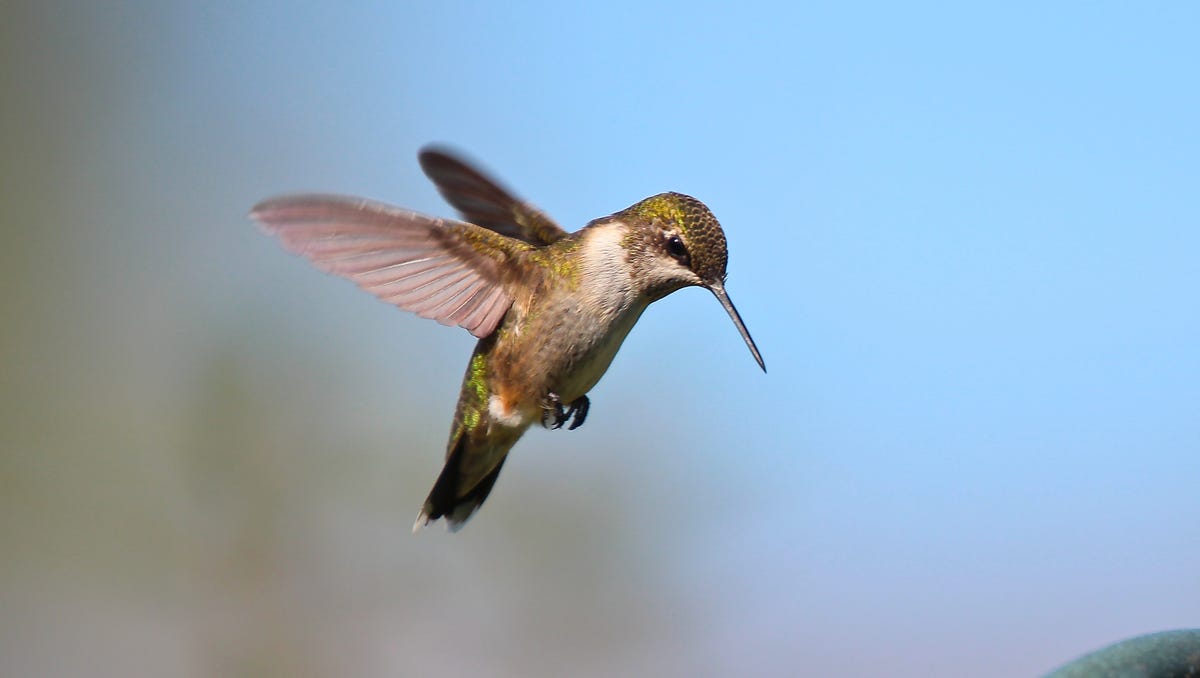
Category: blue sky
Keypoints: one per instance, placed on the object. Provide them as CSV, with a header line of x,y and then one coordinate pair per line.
x,y
964,238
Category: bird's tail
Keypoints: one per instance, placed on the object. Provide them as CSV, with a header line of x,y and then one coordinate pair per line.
x,y
462,486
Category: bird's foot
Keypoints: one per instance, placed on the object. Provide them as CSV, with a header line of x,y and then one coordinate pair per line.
x,y
554,415
578,410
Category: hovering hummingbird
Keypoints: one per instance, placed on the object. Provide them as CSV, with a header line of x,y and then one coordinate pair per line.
x,y
550,308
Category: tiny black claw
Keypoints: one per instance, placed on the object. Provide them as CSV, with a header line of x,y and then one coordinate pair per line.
x,y
578,411
553,415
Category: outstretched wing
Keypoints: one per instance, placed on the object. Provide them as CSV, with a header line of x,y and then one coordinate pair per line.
x,y
445,270
484,202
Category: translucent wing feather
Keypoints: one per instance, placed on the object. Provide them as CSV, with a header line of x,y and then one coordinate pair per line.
x,y
440,269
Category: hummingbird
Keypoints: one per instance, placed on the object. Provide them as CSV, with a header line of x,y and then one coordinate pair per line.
x,y
549,308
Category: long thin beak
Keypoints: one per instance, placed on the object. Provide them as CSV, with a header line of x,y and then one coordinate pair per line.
x,y
718,291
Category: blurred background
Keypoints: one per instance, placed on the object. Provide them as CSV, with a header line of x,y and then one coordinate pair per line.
x,y
965,240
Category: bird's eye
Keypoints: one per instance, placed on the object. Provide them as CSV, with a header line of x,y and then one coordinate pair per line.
x,y
677,249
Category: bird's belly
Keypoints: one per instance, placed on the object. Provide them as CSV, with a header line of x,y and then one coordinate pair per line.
x,y
588,356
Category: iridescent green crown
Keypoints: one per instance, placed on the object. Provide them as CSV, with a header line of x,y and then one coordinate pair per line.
x,y
700,230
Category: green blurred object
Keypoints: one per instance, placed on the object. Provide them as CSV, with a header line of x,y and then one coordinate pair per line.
x,y
1167,654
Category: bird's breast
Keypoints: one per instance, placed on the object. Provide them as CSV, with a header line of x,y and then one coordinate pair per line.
x,y
592,321
563,336
590,346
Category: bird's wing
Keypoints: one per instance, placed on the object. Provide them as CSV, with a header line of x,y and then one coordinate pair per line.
x,y
441,269
484,202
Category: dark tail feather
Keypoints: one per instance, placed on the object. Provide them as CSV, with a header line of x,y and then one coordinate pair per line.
x,y
447,500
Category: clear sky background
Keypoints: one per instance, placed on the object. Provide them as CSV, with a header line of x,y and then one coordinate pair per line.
x,y
966,241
